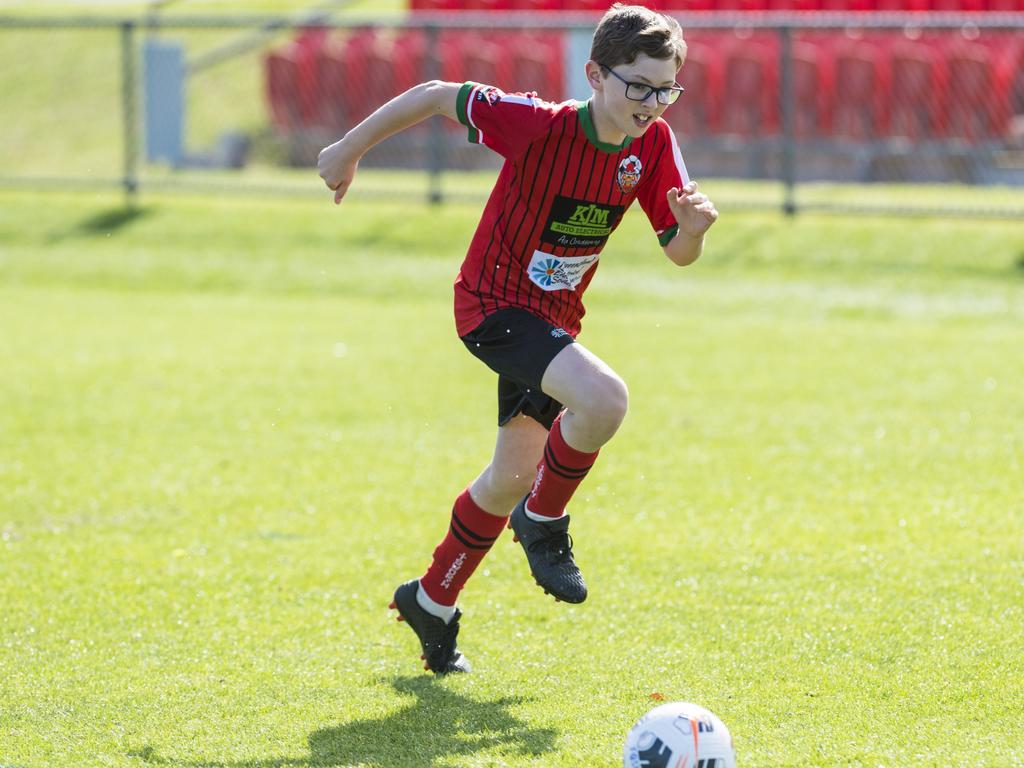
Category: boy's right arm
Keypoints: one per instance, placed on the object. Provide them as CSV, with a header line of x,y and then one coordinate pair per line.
x,y
338,162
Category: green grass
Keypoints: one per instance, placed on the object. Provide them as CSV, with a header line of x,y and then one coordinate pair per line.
x,y
231,427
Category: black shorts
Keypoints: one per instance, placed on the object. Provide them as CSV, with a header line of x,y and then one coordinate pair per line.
x,y
518,346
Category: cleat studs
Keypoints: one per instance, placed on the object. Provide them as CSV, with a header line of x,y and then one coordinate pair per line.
x,y
558,600
426,667
423,657
515,539
392,604
399,617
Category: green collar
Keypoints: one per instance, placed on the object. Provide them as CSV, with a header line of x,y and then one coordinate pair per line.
x,y
587,121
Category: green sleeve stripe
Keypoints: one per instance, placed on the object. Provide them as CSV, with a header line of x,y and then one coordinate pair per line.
x,y
461,100
668,234
461,104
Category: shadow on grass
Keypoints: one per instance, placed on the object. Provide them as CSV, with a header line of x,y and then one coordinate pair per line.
x,y
102,223
439,725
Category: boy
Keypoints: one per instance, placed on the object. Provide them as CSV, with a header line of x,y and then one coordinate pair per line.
x,y
570,172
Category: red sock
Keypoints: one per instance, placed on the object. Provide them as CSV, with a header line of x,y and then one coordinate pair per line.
x,y
470,536
559,473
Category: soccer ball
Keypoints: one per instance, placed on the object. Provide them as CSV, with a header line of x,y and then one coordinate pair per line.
x,y
679,735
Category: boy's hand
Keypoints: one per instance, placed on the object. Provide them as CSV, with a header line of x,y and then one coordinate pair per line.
x,y
337,168
694,212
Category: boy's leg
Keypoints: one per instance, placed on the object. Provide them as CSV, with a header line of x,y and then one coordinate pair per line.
x,y
595,400
478,516
481,511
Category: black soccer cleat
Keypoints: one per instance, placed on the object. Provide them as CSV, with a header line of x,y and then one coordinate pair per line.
x,y
436,638
548,548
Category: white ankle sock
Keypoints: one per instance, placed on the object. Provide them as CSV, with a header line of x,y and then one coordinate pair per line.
x,y
540,518
443,612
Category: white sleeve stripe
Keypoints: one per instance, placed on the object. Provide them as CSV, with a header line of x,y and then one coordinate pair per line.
x,y
527,100
678,156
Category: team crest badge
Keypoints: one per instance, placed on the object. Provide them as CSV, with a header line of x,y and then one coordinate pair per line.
x,y
629,174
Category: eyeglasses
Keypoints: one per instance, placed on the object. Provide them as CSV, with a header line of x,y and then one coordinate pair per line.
x,y
642,91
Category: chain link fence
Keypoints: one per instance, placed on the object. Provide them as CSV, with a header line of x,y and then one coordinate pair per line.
x,y
907,113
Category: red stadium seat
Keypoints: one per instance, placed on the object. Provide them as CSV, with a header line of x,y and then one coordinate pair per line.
x,y
959,5
536,5
375,66
848,5
1009,50
750,83
862,81
513,61
794,5
741,5
696,112
586,5
978,93
341,74
688,6
537,63
813,86
487,5
917,89
903,5
437,5
291,85
476,56
282,85
332,85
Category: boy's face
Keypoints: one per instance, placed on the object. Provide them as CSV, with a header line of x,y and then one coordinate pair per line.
x,y
618,114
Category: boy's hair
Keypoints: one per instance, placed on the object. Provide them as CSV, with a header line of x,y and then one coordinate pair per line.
x,y
626,31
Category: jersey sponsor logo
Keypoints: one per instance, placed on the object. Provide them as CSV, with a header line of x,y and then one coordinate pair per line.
x,y
628,175
559,273
580,223
491,95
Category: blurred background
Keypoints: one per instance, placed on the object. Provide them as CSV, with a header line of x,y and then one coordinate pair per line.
x,y
848,105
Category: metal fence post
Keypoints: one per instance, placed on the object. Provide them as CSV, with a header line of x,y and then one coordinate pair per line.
x,y
786,93
437,136
128,90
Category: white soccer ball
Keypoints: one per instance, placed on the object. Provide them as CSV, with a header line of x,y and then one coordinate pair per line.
x,y
679,735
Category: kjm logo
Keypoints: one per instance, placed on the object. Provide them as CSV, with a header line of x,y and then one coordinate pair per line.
x,y
590,216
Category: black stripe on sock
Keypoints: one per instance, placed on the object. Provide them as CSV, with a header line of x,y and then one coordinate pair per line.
x,y
570,473
465,543
469,532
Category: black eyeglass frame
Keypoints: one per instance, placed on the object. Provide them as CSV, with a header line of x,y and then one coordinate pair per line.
x,y
671,93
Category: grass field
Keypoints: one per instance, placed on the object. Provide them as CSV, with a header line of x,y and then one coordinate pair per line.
x,y
231,427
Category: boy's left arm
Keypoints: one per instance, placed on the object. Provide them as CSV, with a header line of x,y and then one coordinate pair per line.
x,y
694,213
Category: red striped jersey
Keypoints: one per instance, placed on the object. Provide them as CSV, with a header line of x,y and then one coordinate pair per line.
x,y
558,197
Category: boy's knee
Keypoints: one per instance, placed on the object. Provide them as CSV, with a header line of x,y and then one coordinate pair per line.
x,y
611,401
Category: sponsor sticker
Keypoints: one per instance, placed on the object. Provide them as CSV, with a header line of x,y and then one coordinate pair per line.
x,y
559,273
